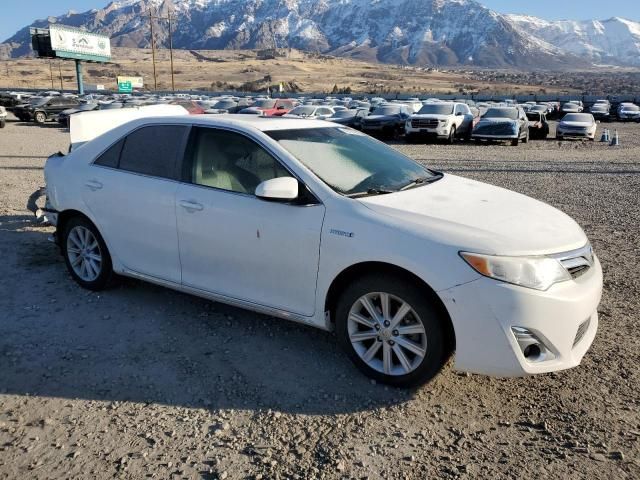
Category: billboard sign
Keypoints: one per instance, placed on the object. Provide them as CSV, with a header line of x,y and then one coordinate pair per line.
x,y
70,42
136,82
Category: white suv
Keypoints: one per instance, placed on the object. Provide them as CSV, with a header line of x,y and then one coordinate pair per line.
x,y
318,223
440,121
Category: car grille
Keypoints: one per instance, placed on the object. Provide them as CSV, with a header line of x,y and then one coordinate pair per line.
x,y
582,330
424,123
574,129
498,129
577,262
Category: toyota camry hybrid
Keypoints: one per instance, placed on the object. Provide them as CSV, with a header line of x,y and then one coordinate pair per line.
x,y
321,224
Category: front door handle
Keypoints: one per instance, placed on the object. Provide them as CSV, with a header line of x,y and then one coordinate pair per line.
x,y
191,206
94,185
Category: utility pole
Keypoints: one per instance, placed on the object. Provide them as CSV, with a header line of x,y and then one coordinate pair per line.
x,y
153,52
60,71
173,83
51,73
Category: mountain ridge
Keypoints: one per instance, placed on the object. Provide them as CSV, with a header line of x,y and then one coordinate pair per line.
x,y
412,32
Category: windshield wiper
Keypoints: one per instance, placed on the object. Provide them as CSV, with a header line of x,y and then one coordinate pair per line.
x,y
370,192
421,181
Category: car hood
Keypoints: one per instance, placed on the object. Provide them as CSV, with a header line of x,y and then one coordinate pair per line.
x,y
430,116
576,124
496,120
380,117
478,217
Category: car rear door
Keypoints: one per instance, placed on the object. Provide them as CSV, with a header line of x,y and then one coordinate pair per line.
x,y
236,245
130,190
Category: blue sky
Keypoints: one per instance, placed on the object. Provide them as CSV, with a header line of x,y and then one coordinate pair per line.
x,y
15,14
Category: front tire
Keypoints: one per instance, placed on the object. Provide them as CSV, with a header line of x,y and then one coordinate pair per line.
x,y
392,331
516,141
86,255
40,118
452,136
2,123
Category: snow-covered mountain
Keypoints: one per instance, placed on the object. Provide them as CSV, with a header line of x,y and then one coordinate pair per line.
x,y
616,40
417,32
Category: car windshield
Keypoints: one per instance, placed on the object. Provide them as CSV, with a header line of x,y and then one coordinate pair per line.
x,y
534,116
436,109
265,104
599,107
511,113
225,104
303,111
577,117
631,108
350,162
387,110
344,114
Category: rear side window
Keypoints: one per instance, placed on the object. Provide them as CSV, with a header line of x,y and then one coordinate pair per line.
x,y
111,157
153,150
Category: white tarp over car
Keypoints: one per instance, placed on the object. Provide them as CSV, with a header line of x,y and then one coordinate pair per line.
x,y
89,125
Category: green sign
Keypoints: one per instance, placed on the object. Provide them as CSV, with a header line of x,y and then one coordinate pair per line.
x,y
125,87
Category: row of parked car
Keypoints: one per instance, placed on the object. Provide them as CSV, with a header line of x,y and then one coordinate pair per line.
x,y
412,119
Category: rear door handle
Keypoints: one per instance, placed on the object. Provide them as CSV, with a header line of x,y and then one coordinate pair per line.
x,y
191,206
94,185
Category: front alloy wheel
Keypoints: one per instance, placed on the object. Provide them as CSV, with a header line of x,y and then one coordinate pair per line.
x,y
392,329
387,333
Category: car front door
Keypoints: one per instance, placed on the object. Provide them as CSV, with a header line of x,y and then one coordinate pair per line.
x,y
236,245
130,190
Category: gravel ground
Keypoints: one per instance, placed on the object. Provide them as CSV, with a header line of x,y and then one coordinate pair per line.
x,y
141,381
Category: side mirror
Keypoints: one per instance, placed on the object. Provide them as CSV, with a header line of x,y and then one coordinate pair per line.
x,y
279,189
458,114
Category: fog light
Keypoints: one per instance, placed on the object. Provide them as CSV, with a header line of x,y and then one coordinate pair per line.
x,y
533,349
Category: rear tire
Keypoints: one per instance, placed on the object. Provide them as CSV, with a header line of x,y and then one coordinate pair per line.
x,y
86,254
403,350
40,117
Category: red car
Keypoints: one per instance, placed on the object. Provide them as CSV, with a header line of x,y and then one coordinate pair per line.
x,y
192,107
275,107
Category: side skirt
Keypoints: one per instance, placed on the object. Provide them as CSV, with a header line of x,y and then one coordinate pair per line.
x,y
235,302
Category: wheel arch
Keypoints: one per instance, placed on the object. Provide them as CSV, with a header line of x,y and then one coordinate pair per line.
x,y
358,270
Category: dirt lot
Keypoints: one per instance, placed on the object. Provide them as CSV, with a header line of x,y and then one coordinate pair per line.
x,y
142,382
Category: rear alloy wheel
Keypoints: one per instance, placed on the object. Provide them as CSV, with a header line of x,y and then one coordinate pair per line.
x,y
86,254
40,117
391,331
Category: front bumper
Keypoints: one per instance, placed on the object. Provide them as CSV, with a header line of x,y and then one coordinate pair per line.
x,y
438,132
494,137
485,311
574,134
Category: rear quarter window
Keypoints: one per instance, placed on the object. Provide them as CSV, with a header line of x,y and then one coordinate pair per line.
x,y
111,157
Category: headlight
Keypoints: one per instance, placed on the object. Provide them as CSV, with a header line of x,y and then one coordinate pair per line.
x,y
539,273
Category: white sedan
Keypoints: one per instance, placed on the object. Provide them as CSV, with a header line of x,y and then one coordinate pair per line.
x,y
317,223
577,125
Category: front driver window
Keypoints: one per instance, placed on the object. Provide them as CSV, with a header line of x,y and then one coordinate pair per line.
x,y
229,161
